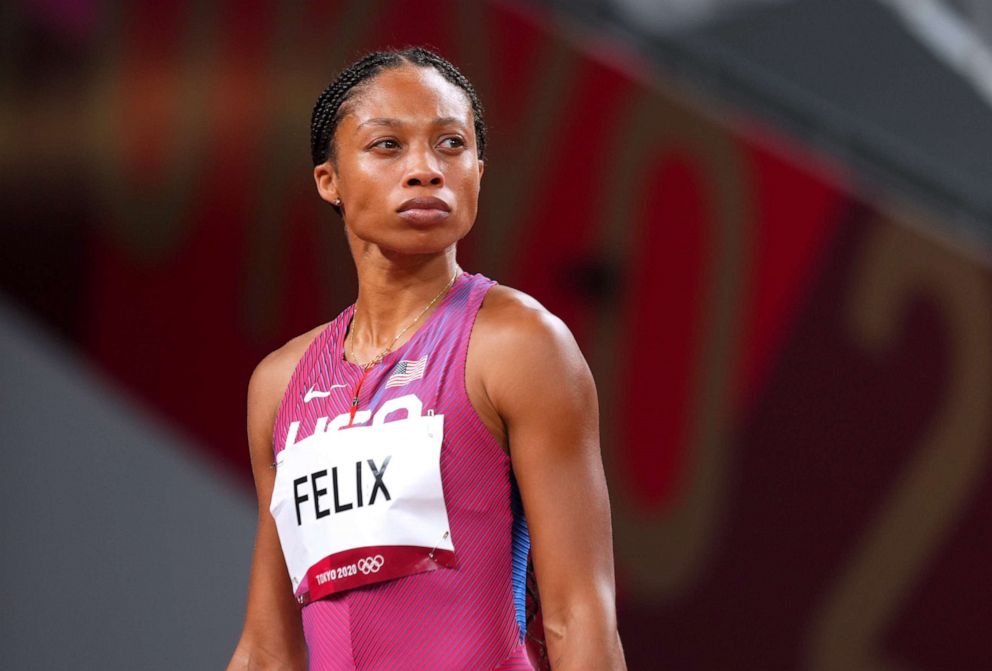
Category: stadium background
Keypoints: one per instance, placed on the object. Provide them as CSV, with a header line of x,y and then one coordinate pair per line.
x,y
767,224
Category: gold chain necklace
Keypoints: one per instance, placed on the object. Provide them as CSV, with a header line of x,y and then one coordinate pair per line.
x,y
378,357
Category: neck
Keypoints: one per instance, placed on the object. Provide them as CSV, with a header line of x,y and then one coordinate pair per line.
x,y
391,295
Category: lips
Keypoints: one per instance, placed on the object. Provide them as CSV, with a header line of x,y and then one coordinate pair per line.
x,y
424,212
424,204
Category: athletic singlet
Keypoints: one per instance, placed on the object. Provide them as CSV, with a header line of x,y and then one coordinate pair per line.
x,y
468,617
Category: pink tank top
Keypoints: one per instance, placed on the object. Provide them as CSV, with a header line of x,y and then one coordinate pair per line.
x,y
469,617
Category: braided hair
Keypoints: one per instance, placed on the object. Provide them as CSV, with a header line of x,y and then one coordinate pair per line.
x,y
331,105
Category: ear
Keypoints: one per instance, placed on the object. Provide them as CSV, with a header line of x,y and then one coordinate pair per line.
x,y
482,167
326,178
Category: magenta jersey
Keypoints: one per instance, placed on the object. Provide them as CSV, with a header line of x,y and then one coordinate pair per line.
x,y
468,617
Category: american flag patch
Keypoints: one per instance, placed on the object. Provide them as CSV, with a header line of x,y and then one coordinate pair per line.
x,y
407,371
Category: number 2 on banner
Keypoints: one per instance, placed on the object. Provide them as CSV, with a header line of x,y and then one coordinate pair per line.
x,y
933,489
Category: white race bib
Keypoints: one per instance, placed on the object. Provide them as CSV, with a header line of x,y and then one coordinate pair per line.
x,y
362,505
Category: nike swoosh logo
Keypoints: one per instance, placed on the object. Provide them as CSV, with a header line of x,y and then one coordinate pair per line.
x,y
315,393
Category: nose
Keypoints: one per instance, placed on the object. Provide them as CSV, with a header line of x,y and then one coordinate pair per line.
x,y
423,169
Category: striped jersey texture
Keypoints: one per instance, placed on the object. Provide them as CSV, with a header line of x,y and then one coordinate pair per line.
x,y
469,617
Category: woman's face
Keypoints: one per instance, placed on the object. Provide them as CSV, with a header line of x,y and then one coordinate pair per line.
x,y
406,167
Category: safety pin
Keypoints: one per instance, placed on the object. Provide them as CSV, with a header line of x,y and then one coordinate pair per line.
x,y
443,538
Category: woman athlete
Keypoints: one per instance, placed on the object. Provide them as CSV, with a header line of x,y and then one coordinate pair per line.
x,y
435,435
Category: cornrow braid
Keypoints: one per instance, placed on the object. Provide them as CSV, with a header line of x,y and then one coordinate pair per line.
x,y
330,106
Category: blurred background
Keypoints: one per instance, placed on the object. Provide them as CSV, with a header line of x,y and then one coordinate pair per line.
x,y
767,222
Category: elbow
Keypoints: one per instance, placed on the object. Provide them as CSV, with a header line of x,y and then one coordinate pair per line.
x,y
589,607
248,657
582,635
578,620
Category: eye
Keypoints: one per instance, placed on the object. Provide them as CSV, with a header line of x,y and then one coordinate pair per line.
x,y
385,143
453,142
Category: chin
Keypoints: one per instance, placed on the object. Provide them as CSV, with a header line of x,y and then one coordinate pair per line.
x,y
408,240
424,241
418,245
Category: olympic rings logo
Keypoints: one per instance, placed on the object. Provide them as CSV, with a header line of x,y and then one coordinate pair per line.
x,y
370,564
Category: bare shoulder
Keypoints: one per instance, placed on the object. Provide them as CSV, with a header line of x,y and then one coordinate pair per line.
x,y
507,313
271,377
521,343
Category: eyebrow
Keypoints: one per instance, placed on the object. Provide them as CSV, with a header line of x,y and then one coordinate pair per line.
x,y
395,123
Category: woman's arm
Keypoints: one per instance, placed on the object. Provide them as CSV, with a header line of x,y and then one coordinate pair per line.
x,y
539,383
272,637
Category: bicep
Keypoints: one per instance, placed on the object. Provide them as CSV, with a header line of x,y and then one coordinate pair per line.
x,y
272,621
548,400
